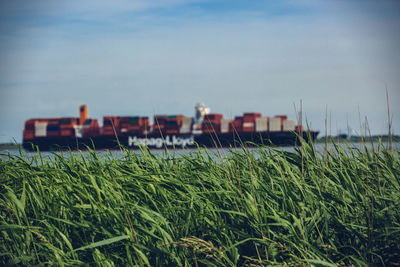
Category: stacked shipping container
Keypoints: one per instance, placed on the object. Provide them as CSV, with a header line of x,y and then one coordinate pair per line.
x,y
236,125
249,121
173,124
53,128
110,125
225,125
67,126
212,123
91,128
163,124
262,124
133,125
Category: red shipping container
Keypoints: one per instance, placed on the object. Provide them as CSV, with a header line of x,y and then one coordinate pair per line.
x,y
159,124
213,117
172,131
212,123
251,117
67,126
211,127
173,123
70,132
249,121
248,127
108,131
146,123
29,130
110,125
283,118
28,134
91,128
135,125
236,125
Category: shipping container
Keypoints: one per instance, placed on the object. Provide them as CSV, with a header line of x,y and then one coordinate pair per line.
x,y
262,124
30,125
67,126
249,121
110,125
159,124
214,117
187,123
68,132
248,126
28,134
211,127
275,124
236,125
91,128
173,124
212,123
67,121
40,129
126,122
288,125
111,121
225,125
53,129
282,118
134,125
145,125
251,117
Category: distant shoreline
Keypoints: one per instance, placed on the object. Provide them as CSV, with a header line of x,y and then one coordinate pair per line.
x,y
358,139
5,146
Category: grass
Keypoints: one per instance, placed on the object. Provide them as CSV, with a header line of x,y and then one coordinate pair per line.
x,y
253,207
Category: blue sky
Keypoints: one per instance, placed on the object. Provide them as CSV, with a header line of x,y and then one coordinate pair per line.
x,y
162,56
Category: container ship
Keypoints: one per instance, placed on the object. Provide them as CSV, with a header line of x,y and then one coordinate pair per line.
x,y
205,129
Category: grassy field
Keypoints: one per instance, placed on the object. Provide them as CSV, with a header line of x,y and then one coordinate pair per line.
x,y
253,207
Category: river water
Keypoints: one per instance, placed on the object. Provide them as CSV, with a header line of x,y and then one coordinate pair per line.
x,y
320,147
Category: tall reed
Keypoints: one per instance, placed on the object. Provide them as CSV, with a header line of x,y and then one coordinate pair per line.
x,y
249,207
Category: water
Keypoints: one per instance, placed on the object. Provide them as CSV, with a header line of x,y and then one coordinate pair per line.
x,y
320,147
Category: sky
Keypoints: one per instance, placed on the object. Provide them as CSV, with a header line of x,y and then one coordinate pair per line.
x,y
151,57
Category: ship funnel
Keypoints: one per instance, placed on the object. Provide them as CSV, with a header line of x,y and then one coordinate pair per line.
x,y
83,114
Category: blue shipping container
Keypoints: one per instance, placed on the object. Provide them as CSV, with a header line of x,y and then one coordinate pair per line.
x,y
53,128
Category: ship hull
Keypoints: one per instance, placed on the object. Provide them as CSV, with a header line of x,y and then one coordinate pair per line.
x,y
210,140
